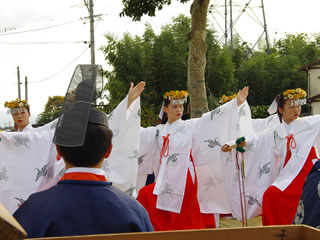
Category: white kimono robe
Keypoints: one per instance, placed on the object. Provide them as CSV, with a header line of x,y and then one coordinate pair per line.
x,y
203,137
250,126
264,159
27,128
28,159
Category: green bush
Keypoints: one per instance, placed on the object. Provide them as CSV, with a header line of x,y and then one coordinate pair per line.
x,y
259,111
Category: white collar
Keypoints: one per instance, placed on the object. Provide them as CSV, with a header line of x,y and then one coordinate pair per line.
x,y
286,126
172,126
97,171
175,122
27,128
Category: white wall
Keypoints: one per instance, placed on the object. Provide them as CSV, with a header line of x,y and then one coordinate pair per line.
x,y
314,81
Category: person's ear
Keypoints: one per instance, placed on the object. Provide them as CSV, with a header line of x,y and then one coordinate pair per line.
x,y
280,109
108,152
58,157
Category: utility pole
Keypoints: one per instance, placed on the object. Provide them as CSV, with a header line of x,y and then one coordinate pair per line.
x,y
265,27
26,87
92,43
231,27
89,4
19,91
225,24
242,7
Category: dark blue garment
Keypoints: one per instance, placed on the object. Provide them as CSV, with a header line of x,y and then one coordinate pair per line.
x,y
81,208
308,211
150,179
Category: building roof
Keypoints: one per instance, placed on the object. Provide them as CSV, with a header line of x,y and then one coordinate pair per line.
x,y
314,98
308,66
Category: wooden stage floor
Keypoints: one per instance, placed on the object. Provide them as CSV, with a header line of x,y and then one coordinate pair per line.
x,y
231,222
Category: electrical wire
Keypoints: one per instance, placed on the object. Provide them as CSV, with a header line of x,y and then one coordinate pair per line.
x,y
24,43
61,70
40,29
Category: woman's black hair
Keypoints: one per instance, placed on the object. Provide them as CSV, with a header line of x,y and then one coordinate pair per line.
x,y
28,108
280,104
164,119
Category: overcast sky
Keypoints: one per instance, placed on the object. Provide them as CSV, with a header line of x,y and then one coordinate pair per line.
x,y
45,37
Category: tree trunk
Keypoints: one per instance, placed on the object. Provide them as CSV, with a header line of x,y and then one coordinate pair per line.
x,y
197,58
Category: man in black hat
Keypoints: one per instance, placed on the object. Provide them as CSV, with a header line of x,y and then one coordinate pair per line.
x,y
83,202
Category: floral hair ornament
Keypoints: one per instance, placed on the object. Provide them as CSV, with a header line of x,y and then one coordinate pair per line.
x,y
297,97
225,98
16,106
176,97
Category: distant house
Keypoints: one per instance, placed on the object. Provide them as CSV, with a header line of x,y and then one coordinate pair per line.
x,y
313,74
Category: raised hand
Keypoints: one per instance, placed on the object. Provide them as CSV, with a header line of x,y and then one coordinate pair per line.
x,y
135,92
242,95
226,148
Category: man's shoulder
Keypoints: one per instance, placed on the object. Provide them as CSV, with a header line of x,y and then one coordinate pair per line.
x,y
123,199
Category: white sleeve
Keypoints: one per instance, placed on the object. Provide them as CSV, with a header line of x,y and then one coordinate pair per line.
x,y
147,154
261,124
249,126
211,131
121,166
26,164
48,126
260,166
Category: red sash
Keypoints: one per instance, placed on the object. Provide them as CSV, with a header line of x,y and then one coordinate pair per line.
x,y
290,141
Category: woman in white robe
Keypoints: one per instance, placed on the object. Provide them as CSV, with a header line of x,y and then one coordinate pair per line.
x,y
277,162
20,111
172,150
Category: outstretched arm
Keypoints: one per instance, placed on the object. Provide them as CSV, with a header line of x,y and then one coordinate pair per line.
x,y
135,92
228,148
242,95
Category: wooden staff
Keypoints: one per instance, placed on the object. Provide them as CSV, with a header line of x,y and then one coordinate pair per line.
x,y
240,144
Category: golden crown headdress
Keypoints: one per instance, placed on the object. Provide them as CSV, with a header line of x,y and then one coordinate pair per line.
x,y
176,97
298,93
298,96
16,104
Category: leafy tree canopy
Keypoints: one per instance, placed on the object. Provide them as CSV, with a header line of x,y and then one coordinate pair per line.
x,y
162,61
137,8
52,110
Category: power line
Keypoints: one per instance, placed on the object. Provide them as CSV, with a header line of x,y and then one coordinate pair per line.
x,y
24,43
39,29
64,68
49,17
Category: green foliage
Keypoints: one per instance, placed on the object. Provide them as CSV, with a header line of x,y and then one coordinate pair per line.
x,y
300,47
162,61
149,116
137,8
270,74
213,102
220,73
52,110
259,111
